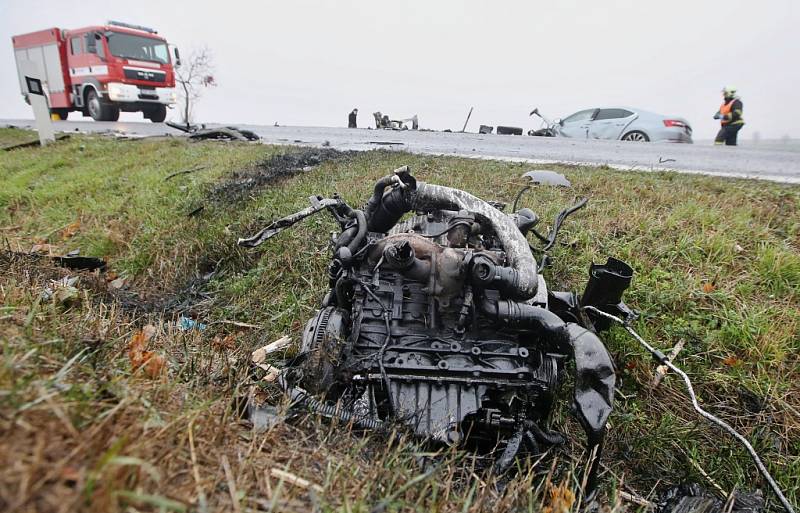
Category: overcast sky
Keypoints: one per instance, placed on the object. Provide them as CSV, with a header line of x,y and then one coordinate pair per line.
x,y
302,62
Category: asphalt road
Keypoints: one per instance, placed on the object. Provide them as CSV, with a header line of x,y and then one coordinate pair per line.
x,y
767,160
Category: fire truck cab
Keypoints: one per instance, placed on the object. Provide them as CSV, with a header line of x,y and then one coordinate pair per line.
x,y
102,70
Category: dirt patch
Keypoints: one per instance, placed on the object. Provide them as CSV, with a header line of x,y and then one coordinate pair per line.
x,y
240,184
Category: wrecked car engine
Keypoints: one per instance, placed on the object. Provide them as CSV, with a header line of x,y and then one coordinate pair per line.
x,y
442,321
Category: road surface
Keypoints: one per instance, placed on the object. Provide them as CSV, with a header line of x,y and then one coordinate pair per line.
x,y
767,160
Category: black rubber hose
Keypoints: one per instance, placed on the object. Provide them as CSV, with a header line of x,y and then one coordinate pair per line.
x,y
361,232
547,437
377,194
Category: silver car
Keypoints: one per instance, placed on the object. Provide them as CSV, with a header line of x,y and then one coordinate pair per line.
x,y
624,124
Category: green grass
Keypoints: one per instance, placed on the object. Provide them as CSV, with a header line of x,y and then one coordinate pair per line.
x,y
98,436
12,136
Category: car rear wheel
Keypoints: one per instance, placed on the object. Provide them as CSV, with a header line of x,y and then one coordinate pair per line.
x,y
636,136
99,110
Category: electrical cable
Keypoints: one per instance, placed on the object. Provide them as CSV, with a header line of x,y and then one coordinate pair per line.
x,y
664,360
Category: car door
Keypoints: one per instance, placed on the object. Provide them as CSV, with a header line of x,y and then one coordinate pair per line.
x,y
610,123
577,125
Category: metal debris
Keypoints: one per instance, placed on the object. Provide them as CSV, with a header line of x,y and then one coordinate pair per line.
x,y
542,176
75,263
226,133
442,322
509,130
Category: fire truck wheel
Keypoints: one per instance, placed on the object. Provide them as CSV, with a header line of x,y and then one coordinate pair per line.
x,y
157,114
99,110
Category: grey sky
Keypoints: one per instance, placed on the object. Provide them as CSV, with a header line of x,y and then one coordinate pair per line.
x,y
305,62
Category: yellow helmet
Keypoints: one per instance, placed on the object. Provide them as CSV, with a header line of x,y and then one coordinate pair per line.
x,y
729,91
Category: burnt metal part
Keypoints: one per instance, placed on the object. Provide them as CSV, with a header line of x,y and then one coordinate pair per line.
x,y
76,263
442,322
228,133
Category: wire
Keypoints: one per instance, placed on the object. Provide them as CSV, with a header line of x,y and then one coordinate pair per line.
x,y
560,220
518,196
662,359
457,223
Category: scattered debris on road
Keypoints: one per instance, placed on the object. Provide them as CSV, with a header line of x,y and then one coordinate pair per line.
x,y
226,133
509,130
382,121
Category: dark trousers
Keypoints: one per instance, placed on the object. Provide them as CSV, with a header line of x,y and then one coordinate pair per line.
x,y
727,134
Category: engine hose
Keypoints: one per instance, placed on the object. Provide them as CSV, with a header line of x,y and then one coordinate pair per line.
x,y
300,396
662,359
361,232
547,437
354,236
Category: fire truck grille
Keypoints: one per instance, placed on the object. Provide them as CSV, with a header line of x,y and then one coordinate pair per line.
x,y
150,76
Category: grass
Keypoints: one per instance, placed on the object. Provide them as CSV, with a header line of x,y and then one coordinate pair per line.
x,y
717,265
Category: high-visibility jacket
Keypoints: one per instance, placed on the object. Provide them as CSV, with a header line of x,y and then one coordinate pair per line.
x,y
731,112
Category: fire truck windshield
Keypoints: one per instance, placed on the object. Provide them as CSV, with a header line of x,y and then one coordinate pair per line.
x,y
137,47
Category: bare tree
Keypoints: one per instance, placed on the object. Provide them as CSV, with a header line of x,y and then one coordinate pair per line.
x,y
194,74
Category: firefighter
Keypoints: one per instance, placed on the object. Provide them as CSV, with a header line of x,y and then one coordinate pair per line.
x,y
351,119
730,117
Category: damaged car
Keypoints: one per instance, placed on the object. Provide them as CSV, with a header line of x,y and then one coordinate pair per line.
x,y
616,123
437,316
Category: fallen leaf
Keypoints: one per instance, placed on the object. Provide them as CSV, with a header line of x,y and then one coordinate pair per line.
x,y
709,287
71,229
228,342
731,361
154,364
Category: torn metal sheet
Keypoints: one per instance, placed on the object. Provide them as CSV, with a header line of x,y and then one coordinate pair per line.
x,y
545,177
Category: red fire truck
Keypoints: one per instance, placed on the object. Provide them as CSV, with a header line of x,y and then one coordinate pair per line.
x,y
102,70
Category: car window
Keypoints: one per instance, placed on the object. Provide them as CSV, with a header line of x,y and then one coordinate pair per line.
x,y
90,43
612,114
75,45
583,115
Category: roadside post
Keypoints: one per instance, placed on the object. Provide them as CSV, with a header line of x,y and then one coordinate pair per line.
x,y
35,92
